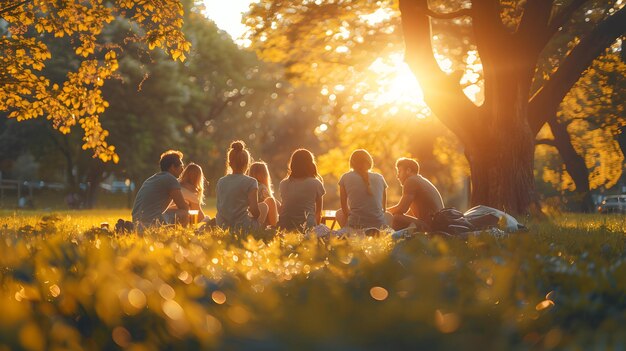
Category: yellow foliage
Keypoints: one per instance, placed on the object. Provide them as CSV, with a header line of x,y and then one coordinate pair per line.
x,y
25,94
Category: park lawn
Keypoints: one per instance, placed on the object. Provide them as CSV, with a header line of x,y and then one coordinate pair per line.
x,y
82,219
65,283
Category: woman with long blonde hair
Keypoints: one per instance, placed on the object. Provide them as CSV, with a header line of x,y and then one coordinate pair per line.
x,y
192,186
260,172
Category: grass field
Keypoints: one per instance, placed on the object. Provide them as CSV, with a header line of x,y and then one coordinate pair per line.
x,y
65,284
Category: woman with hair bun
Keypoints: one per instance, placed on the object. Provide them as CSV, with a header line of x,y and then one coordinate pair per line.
x,y
363,194
301,193
237,206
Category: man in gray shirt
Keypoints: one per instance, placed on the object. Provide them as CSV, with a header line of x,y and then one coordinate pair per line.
x,y
420,198
158,191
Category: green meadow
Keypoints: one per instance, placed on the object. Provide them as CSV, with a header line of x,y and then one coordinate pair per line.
x,y
66,284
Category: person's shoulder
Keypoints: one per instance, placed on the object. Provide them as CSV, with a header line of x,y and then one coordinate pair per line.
x,y
377,176
168,178
251,181
315,180
345,176
413,181
248,177
423,180
318,184
223,179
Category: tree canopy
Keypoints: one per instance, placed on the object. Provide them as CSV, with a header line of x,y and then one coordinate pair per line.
x,y
26,93
529,56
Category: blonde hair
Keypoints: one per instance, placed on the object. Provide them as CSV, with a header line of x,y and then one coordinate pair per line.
x,y
361,162
259,171
238,158
192,174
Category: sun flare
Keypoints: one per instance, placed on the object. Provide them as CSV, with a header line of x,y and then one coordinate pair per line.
x,y
396,86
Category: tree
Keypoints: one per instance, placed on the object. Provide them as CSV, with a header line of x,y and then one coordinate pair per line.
x,y
590,112
510,39
26,93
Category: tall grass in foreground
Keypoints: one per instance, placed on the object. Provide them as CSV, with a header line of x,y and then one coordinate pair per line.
x,y
67,285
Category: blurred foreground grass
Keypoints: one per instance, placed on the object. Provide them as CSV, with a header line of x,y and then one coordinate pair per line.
x,y
67,285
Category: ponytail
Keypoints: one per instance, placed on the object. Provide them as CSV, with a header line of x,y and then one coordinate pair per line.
x,y
361,162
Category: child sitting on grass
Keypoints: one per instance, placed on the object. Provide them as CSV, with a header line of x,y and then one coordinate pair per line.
x,y
258,170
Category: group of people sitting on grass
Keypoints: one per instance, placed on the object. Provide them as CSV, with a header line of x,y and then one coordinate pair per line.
x,y
246,201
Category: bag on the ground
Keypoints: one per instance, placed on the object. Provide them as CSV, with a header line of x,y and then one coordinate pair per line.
x,y
452,221
484,217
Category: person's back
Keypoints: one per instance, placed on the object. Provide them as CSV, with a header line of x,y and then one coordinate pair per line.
x,y
366,207
232,200
158,191
153,198
427,200
298,196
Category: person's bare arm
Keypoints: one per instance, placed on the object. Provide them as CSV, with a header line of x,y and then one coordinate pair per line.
x,y
343,195
408,195
278,204
319,203
196,206
384,199
179,199
253,205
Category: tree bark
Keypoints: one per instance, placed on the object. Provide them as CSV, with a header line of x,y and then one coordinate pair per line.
x,y
499,143
574,163
501,158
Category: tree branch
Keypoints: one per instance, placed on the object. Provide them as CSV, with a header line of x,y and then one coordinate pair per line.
x,y
564,15
549,142
12,7
442,92
493,42
534,22
546,100
449,15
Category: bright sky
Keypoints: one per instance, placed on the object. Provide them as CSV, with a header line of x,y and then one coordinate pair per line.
x,y
227,14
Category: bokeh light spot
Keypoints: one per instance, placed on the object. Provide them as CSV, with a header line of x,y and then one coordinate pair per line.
x,y
173,310
378,293
218,297
447,322
121,336
137,298
55,290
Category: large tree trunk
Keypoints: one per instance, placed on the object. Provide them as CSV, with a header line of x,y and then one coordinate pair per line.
x,y
574,163
499,135
501,158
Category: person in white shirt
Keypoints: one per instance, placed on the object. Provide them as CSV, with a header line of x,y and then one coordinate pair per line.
x,y
260,172
192,187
